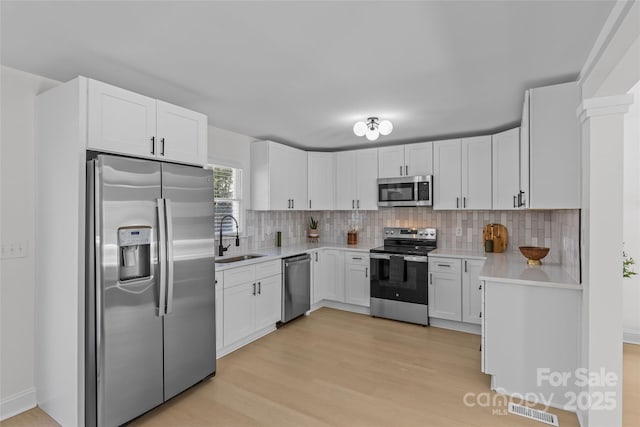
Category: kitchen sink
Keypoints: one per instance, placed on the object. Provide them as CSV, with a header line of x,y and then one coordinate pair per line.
x,y
238,258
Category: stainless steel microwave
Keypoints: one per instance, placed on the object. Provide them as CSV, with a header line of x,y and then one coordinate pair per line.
x,y
405,191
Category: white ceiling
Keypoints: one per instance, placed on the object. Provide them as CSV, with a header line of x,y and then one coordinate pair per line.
x,y
303,72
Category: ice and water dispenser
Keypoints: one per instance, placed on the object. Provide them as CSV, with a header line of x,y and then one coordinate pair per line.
x,y
134,251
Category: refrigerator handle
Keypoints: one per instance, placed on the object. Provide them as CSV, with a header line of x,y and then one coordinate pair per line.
x,y
162,257
169,220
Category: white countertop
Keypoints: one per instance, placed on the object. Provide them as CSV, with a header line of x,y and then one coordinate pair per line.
x,y
513,268
291,250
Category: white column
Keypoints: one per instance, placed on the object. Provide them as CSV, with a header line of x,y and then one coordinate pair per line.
x,y
602,121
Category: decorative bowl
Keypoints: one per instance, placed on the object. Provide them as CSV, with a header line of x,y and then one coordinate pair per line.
x,y
534,254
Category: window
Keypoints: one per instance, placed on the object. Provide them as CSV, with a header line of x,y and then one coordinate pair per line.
x,y
227,193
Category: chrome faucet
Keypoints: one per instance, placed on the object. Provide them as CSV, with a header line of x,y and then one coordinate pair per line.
x,y
221,248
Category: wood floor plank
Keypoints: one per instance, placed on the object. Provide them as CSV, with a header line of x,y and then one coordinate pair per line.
x,y
336,368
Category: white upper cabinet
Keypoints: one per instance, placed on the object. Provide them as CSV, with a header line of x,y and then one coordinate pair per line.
x,y
447,174
121,121
182,134
506,169
356,186
321,181
124,122
462,173
553,147
278,177
405,160
476,173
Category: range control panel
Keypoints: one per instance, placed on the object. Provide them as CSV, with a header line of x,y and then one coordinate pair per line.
x,y
410,233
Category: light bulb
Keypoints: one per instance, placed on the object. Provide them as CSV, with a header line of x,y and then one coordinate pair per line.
x,y
360,128
372,133
385,127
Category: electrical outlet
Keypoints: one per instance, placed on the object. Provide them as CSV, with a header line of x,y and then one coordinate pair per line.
x,y
458,231
15,249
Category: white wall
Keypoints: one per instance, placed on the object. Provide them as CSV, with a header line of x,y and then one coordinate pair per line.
x,y
631,218
17,216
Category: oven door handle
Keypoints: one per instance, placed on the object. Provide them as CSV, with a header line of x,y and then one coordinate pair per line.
x,y
406,258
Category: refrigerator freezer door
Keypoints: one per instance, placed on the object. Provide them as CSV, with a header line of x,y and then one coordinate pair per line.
x,y
129,331
189,325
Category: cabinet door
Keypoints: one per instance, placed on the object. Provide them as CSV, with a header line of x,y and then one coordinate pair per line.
x,y
268,301
476,173
506,169
554,147
334,268
419,158
239,313
366,184
445,296
296,178
357,287
321,181
281,176
120,121
181,134
391,161
447,174
524,153
346,180
318,276
471,291
219,315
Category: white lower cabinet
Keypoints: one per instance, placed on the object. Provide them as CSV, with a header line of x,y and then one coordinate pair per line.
x,y
332,288
356,279
219,313
454,289
445,290
251,300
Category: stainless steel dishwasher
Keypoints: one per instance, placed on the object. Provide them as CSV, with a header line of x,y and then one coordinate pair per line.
x,y
296,289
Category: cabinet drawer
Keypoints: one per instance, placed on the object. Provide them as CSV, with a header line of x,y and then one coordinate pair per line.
x,y
236,276
359,258
269,268
444,265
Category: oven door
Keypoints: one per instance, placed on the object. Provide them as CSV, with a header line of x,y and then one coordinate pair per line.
x,y
399,277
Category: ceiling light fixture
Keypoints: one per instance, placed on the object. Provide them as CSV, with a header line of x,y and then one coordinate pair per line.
x,y
373,128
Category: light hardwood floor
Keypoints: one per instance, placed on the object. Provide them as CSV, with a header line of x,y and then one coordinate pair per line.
x,y
336,368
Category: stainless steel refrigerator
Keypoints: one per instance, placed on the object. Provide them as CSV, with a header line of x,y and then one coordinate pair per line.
x,y
150,285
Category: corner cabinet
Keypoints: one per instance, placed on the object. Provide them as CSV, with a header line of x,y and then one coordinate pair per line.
x,y
321,183
124,122
550,148
462,173
357,172
506,170
405,160
278,177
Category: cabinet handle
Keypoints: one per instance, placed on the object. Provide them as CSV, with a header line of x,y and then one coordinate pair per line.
x,y
457,202
464,202
316,256
353,204
259,288
355,257
358,204
153,145
431,278
162,146
400,170
406,170
465,265
444,265
293,203
254,289
480,287
480,315
366,272
309,203
514,201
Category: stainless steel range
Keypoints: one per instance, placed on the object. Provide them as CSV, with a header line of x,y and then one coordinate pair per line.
x,y
399,274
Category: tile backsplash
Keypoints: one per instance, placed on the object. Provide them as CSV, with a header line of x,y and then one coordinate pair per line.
x,y
558,230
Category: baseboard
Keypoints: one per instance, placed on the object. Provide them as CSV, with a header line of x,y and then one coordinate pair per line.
x,y
470,328
631,336
19,402
244,341
345,307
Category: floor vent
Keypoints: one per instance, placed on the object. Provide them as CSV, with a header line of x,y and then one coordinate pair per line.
x,y
534,414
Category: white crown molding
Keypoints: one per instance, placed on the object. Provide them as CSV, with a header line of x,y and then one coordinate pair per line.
x,y
604,105
611,25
